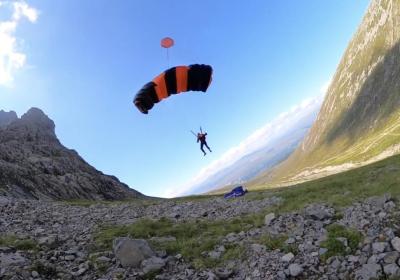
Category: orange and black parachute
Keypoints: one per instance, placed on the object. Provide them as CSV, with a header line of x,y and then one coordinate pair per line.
x,y
196,77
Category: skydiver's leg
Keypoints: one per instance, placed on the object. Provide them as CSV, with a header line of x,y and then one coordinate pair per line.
x,y
205,143
201,148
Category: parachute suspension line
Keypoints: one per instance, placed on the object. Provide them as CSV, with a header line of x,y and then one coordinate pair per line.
x,y
168,57
193,133
167,43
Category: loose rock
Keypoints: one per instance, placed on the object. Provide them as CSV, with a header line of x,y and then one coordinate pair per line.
x,y
269,218
131,252
295,269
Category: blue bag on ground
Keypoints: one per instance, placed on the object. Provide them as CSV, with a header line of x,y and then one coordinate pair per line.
x,y
238,191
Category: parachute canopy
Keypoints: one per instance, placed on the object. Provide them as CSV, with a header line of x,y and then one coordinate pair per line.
x,y
196,77
167,42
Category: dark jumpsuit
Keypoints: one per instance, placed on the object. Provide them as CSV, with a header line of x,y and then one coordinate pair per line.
x,y
202,138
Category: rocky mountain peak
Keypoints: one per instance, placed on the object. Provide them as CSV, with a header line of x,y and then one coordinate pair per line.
x,y
7,117
36,117
35,165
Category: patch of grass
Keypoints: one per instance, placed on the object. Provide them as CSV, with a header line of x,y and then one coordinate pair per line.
x,y
99,266
233,252
256,219
19,244
353,236
273,242
26,244
336,247
204,262
8,240
341,189
290,248
256,195
338,216
192,238
81,202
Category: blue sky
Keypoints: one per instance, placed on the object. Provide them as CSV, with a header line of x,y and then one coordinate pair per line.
x,y
83,61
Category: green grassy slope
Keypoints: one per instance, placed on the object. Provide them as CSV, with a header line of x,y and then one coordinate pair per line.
x,y
344,188
360,116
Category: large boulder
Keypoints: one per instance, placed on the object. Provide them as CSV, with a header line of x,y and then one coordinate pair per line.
x,y
392,270
369,271
131,252
396,243
319,212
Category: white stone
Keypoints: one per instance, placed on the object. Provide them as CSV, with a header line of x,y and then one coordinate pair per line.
x,y
288,257
295,269
269,218
69,258
153,264
396,243
378,247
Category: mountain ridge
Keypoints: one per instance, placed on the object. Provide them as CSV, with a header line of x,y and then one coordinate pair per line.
x,y
35,165
359,118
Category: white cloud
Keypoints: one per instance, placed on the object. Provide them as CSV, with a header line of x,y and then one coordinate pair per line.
x,y
255,141
21,9
12,59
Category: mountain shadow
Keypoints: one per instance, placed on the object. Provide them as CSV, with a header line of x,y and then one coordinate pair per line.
x,y
377,99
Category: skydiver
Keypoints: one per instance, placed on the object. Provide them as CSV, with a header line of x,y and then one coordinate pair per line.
x,y
202,138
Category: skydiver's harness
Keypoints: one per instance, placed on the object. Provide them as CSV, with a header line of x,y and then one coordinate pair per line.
x,y
202,138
